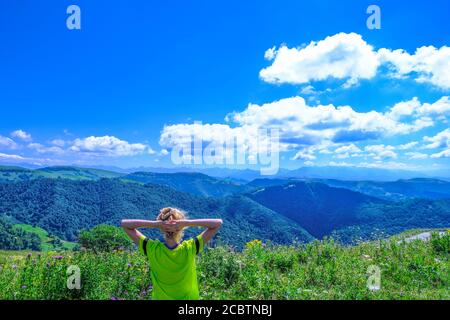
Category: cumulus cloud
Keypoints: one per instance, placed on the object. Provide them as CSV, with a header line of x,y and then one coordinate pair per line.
x,y
307,130
306,154
424,111
349,57
381,151
342,56
416,155
300,123
348,151
441,140
43,149
22,135
58,142
7,143
107,146
429,64
15,157
408,145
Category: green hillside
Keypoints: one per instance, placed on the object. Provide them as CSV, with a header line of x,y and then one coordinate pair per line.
x,y
318,270
64,207
350,216
14,174
48,243
317,207
195,183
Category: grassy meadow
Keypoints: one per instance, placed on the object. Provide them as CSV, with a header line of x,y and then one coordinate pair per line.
x,y
318,270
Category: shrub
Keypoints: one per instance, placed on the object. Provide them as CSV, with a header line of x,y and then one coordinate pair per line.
x,y
104,238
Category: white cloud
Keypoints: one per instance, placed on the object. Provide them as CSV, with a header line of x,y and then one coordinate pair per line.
x,y
4,156
348,57
303,124
417,155
347,151
441,140
305,129
442,154
22,135
306,154
308,90
408,146
43,149
7,143
351,148
431,65
381,151
58,142
107,146
341,56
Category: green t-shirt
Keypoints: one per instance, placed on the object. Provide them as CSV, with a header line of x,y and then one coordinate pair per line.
x,y
173,271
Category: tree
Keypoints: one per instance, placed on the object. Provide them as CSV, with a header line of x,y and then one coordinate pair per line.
x,y
103,238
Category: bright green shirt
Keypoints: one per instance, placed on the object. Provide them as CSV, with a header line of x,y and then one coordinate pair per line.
x,y
173,271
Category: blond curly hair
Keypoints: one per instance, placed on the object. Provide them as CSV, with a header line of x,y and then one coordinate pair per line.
x,y
167,214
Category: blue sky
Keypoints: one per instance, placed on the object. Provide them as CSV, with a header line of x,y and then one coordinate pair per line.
x,y
128,87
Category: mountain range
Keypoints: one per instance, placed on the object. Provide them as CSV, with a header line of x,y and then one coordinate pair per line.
x,y
64,200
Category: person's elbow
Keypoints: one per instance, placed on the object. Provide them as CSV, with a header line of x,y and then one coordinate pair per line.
x,y
124,224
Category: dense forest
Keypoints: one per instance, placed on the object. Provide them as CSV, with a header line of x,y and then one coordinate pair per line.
x,y
64,207
16,238
64,200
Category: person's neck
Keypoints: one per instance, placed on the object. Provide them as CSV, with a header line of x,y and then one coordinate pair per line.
x,y
171,243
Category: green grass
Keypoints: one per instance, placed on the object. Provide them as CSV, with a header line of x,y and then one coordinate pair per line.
x,y
319,270
47,243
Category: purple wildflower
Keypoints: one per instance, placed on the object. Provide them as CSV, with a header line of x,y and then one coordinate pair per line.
x,y
14,266
57,257
24,287
114,298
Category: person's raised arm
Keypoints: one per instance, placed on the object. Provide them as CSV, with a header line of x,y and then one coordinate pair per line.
x,y
131,226
212,225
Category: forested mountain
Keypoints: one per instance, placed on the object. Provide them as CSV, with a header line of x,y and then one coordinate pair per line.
x,y
375,221
419,188
63,207
398,190
8,173
194,183
325,211
17,239
64,200
317,207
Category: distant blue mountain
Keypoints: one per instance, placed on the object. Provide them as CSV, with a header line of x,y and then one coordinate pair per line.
x,y
190,182
348,215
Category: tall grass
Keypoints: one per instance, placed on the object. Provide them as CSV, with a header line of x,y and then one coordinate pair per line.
x,y
319,270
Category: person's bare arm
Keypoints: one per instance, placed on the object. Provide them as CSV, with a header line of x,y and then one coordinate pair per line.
x,y
131,226
212,225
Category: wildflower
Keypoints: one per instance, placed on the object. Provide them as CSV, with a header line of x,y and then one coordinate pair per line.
x,y
129,265
14,266
57,257
114,298
24,287
29,255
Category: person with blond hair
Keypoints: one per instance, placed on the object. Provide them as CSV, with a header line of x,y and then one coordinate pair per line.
x,y
172,262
